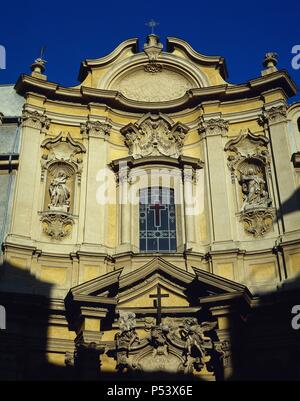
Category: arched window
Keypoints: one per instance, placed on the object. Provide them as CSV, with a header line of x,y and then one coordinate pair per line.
x,y
298,124
157,220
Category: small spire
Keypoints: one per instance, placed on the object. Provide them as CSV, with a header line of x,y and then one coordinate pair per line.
x,y
38,67
269,62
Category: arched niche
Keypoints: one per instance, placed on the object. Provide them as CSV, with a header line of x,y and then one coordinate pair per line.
x,y
60,187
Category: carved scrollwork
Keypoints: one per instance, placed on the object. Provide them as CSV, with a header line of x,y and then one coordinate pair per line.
x,y
213,127
178,345
249,163
257,222
34,119
57,225
273,115
62,149
95,129
154,135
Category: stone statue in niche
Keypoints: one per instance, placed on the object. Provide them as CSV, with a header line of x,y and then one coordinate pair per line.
x,y
59,193
254,190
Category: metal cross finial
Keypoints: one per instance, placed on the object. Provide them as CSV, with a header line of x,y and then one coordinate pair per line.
x,y
152,24
42,52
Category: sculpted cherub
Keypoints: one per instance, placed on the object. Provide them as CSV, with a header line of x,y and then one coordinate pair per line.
x,y
128,335
193,335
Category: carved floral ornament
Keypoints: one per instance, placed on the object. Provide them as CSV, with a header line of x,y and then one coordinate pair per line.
x,y
249,163
273,115
178,346
214,126
155,135
62,149
57,225
96,129
35,119
61,159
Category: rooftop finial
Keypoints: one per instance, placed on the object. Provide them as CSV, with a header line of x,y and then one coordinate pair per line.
x,y
38,67
270,61
152,24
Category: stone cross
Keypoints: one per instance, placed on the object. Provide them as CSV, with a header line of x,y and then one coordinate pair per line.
x,y
152,24
158,297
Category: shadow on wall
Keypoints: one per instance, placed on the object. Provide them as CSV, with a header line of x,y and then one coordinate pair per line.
x,y
264,344
23,344
292,204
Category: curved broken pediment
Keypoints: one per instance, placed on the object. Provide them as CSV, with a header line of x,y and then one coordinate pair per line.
x,y
153,75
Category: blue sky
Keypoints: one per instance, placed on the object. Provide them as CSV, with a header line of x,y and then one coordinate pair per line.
x,y
240,31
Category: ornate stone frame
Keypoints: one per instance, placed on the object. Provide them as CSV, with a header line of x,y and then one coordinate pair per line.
x,y
155,134
67,153
127,169
249,149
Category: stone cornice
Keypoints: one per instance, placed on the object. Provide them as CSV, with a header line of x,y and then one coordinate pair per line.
x,y
226,92
86,65
218,61
181,162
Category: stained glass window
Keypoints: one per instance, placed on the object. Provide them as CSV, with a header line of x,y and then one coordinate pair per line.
x,y
157,220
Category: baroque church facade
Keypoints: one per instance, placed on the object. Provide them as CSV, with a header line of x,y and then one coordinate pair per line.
x,y
150,219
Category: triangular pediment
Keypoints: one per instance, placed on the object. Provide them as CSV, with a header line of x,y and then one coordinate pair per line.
x,y
131,289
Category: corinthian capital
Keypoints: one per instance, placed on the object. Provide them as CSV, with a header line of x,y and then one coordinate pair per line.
x,y
273,115
34,119
96,129
214,126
